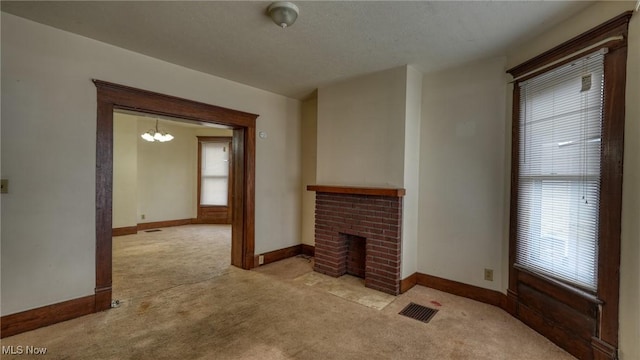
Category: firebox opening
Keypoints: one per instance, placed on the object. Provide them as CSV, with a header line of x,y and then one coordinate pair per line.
x,y
356,255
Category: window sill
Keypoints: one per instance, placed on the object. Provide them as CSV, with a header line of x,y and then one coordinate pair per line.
x,y
579,292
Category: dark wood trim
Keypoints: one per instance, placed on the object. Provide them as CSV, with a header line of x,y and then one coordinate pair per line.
x,y
598,349
214,221
248,213
602,350
47,315
610,220
215,138
511,304
394,192
571,342
281,254
541,281
127,230
134,99
238,227
308,250
605,309
593,36
104,191
515,183
163,224
103,298
112,96
407,283
473,292
562,297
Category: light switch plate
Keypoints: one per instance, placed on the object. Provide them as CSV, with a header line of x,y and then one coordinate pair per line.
x,y
4,186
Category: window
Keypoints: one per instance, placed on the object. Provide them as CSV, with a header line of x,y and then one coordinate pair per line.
x,y
214,173
214,180
559,171
566,190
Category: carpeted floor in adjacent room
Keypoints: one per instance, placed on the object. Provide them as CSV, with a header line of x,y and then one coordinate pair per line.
x,y
180,299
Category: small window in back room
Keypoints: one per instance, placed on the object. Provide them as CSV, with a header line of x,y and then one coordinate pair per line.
x,y
214,173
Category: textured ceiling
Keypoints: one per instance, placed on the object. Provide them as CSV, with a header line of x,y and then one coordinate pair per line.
x,y
329,41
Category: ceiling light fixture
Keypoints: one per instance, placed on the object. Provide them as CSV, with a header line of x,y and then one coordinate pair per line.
x,y
283,13
155,135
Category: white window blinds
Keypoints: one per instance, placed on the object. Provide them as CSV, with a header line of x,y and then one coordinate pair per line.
x,y
559,171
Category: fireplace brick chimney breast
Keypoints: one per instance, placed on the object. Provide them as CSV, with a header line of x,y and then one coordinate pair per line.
x,y
373,215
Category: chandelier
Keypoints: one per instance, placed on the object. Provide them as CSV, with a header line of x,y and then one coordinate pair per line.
x,y
155,135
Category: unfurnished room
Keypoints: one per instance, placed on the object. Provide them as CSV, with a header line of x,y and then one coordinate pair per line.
x,y
320,180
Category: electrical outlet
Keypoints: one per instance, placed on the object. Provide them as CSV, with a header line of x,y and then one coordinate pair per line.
x,y
488,274
142,216
260,259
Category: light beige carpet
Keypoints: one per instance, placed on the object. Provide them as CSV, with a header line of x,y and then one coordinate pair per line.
x,y
220,312
149,262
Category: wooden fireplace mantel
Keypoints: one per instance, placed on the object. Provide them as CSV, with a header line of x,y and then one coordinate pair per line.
x,y
356,190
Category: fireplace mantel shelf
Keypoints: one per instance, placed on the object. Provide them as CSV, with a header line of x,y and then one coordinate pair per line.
x,y
355,190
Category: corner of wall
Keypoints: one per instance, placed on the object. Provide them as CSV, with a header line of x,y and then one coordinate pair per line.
x,y
309,159
413,106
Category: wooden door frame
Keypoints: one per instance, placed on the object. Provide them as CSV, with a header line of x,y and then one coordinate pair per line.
x,y
112,96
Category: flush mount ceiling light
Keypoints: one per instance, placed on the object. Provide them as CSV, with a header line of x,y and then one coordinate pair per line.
x,y
283,13
155,135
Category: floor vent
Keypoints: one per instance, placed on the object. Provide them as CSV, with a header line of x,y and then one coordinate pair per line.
x,y
154,230
418,312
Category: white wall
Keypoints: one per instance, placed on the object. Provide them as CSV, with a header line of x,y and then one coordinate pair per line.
x,y
167,173
368,134
410,203
630,259
309,162
629,331
125,171
462,173
361,130
158,180
49,124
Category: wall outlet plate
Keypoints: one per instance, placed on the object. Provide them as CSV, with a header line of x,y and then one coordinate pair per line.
x,y
488,274
260,259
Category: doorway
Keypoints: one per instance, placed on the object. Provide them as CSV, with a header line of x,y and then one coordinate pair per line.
x,y
112,96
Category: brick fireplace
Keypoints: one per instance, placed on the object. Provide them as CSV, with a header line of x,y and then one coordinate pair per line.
x,y
350,220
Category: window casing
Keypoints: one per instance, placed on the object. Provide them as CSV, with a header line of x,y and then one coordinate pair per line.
x,y
576,315
560,136
214,173
215,180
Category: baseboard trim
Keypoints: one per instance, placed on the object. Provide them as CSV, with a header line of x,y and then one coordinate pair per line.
x,y
281,254
103,298
130,230
166,223
285,253
308,250
603,350
486,296
127,230
407,283
18,323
